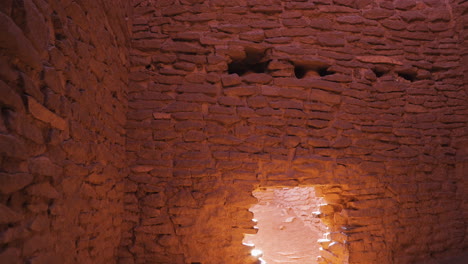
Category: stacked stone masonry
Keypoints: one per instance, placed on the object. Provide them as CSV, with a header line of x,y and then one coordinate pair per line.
x,y
229,96
136,131
63,99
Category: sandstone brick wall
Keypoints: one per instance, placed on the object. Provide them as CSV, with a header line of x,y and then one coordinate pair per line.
x,y
366,99
229,96
63,82
461,14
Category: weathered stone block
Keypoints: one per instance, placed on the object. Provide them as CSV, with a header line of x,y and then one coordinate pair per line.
x,y
14,41
184,48
43,190
8,216
44,114
261,78
377,13
231,80
43,166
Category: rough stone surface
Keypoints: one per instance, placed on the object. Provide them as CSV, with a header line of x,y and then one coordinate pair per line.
x,y
136,131
364,98
63,98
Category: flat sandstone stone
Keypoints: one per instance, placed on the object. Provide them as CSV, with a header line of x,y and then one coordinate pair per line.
x,y
379,59
44,114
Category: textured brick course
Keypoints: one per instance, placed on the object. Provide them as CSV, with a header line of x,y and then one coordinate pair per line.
x,y
136,131
62,136
351,94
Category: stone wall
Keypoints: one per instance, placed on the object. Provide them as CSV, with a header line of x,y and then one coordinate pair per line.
x,y
364,100
229,96
461,14
63,82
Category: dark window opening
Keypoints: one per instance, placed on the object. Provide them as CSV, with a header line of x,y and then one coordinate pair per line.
x,y
253,62
242,68
324,71
410,76
379,72
60,36
299,72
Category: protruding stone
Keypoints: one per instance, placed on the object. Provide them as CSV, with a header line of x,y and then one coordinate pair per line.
x,y
44,114
231,80
12,182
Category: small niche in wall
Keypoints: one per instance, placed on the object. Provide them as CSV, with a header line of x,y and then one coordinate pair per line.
x,y
380,71
324,71
241,68
303,71
299,72
409,75
311,67
254,62
406,76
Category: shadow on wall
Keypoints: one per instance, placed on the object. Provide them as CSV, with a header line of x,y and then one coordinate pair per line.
x,y
457,260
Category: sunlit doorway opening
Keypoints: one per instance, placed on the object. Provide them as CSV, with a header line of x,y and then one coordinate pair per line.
x,y
289,226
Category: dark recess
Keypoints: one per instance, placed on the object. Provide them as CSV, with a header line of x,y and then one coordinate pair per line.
x,y
253,62
410,76
324,71
379,72
299,72
241,67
